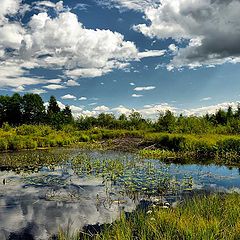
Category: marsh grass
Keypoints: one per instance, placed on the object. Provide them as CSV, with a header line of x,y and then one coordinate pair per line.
x,y
203,217
165,145
131,175
33,161
33,137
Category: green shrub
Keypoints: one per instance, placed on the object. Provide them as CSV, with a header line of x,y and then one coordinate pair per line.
x,y
84,138
6,127
26,130
3,145
53,143
229,145
45,130
175,143
31,144
16,143
42,142
96,137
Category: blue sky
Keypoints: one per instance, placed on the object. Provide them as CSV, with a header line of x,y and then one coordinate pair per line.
x,y
118,55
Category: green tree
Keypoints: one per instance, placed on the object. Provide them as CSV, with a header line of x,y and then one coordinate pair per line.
x,y
33,109
237,113
136,120
67,115
166,122
53,107
106,120
221,117
229,113
4,101
86,123
14,109
122,117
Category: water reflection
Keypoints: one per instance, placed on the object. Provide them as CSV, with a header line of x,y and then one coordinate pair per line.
x,y
38,206
34,205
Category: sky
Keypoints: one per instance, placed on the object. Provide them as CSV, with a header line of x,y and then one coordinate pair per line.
x,y
117,55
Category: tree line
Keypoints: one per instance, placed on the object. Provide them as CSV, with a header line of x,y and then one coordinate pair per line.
x,y
222,122
30,109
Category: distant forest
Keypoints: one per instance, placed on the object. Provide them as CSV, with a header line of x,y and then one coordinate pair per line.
x,y
29,109
17,110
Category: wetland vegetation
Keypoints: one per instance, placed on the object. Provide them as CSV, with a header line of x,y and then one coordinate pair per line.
x,y
206,217
115,195
130,177
27,124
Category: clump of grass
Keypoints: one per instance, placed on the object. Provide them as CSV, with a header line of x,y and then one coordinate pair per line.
x,y
158,154
29,161
33,136
206,217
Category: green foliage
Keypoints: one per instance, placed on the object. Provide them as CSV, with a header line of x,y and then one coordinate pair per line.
x,y
6,127
33,109
229,145
208,217
16,143
34,136
53,107
26,129
3,145
174,143
158,154
29,109
166,122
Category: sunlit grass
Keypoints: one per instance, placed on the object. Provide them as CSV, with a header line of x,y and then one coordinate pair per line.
x,y
206,217
222,148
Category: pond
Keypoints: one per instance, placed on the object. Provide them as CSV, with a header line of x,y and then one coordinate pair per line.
x,y
44,191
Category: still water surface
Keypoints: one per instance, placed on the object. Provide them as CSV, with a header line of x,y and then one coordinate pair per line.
x,y
35,204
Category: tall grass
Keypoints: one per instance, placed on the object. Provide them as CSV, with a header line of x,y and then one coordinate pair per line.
x,y
219,147
33,137
164,144
206,217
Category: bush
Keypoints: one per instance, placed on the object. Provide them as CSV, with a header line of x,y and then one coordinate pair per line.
x,y
175,143
25,130
31,144
41,142
3,145
96,137
16,143
84,138
6,127
229,145
53,143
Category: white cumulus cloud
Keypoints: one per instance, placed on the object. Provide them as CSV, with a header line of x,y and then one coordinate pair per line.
x,y
137,95
210,26
69,96
72,83
54,87
58,42
101,108
82,98
148,88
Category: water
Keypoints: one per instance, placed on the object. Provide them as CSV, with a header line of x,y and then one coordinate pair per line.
x,y
36,202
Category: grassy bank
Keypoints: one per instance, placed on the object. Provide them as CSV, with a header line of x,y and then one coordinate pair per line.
x,y
222,148
33,137
209,217
150,144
